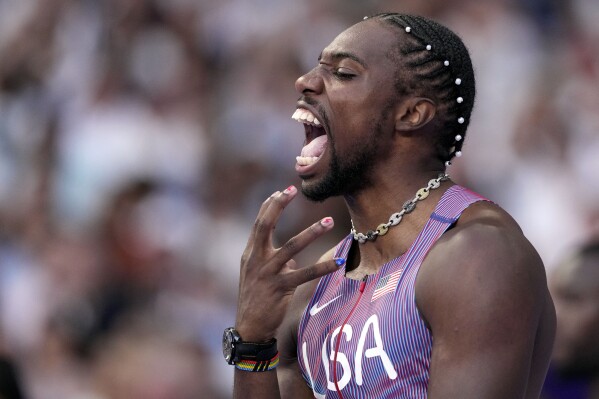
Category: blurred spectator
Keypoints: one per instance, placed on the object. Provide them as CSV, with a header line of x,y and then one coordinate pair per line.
x,y
142,361
10,384
575,289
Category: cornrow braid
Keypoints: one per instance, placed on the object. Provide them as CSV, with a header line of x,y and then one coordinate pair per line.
x,y
438,65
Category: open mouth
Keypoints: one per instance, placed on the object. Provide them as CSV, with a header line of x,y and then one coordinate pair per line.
x,y
316,138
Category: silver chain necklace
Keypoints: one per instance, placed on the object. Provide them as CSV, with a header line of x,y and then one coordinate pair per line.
x,y
394,220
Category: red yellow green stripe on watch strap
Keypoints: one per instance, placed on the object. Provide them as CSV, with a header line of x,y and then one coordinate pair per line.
x,y
260,365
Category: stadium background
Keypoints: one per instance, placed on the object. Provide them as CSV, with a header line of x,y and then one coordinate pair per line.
x,y
138,138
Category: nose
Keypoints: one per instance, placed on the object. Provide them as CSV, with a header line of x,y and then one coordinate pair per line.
x,y
311,82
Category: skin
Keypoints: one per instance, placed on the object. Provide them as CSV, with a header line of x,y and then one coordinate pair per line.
x,y
493,326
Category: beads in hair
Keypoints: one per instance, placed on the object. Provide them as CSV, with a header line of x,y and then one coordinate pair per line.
x,y
438,56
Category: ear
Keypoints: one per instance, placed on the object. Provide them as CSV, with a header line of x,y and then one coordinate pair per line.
x,y
414,113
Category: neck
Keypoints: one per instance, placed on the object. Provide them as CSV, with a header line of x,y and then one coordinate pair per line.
x,y
374,205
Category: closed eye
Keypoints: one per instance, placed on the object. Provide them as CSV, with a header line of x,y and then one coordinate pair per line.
x,y
341,74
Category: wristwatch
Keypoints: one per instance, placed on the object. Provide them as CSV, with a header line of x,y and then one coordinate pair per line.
x,y
236,351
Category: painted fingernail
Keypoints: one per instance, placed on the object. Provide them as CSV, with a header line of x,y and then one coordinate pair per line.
x,y
326,222
289,190
340,261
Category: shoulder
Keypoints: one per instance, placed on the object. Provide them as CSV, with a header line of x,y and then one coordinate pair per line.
x,y
485,239
483,293
481,264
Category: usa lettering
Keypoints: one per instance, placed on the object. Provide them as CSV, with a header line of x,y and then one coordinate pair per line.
x,y
376,352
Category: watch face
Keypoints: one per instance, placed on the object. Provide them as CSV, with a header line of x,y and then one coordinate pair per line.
x,y
227,345
230,338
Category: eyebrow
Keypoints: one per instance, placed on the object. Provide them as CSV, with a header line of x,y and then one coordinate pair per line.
x,y
339,55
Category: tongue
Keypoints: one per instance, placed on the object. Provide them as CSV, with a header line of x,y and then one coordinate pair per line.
x,y
316,147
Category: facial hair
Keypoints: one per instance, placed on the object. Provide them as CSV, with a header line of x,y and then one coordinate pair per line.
x,y
348,173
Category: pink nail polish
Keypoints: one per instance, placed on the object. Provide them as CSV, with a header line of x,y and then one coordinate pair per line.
x,y
326,221
289,190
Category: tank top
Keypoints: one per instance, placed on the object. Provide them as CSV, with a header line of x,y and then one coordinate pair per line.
x,y
366,339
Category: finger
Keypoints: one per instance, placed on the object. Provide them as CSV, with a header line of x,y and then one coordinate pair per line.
x,y
265,224
305,274
289,267
261,212
267,203
302,240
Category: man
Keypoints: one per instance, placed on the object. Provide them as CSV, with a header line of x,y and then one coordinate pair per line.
x,y
575,288
436,293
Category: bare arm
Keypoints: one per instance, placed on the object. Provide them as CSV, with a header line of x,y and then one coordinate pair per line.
x,y
269,278
483,292
290,381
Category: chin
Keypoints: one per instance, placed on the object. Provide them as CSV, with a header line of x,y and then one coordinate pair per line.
x,y
347,177
315,192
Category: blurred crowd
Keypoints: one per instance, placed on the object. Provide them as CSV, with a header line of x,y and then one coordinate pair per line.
x,y
139,137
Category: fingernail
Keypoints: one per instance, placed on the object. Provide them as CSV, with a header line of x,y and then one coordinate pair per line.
x,y
326,222
339,261
289,190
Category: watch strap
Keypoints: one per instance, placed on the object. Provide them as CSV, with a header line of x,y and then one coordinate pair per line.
x,y
259,365
255,351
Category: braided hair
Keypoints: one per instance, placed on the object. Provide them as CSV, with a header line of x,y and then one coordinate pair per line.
x,y
435,63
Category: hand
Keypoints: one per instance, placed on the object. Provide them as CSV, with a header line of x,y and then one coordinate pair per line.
x,y
269,276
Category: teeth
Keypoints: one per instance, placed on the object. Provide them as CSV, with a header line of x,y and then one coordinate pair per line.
x,y
305,161
304,116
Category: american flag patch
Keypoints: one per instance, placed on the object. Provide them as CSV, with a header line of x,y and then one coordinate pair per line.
x,y
386,285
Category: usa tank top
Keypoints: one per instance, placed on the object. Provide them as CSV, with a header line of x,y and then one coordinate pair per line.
x,y
366,339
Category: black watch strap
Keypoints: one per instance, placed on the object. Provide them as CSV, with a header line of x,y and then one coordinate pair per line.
x,y
249,355
256,351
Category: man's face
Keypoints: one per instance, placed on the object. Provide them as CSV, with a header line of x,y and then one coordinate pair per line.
x,y
352,95
575,290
